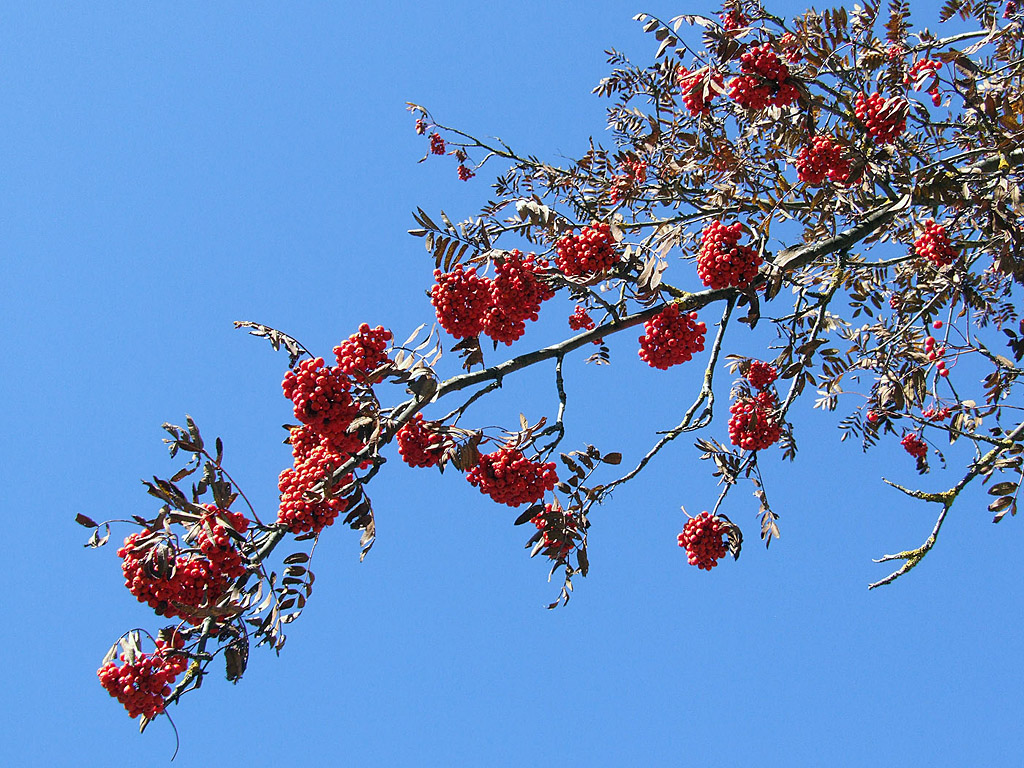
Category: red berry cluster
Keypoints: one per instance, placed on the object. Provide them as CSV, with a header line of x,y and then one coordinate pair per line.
x,y
363,352
935,353
753,425
560,531
733,20
671,337
461,299
465,174
914,445
936,414
895,51
761,374
699,88
706,539
885,119
298,512
216,541
924,72
436,144
791,47
169,582
581,320
421,127
419,445
141,685
765,80
322,402
517,292
634,172
822,159
934,245
722,262
510,478
589,253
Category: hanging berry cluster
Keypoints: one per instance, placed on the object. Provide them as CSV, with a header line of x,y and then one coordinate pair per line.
x,y
933,244
175,583
671,337
217,535
914,445
624,184
517,292
419,444
580,320
436,144
362,352
885,119
733,20
821,159
322,401
791,48
753,425
761,374
722,262
706,539
699,88
467,304
510,478
925,73
589,253
300,511
461,299
765,80
142,683
559,531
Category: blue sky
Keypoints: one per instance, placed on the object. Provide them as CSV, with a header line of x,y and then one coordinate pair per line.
x,y
170,168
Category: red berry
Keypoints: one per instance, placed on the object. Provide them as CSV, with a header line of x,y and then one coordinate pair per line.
x,y
914,445
560,528
436,144
822,159
706,540
754,425
733,20
169,582
364,351
465,174
419,444
872,417
765,80
722,262
461,300
934,245
297,510
760,374
885,119
699,88
517,291
580,320
589,253
321,401
937,325
142,684
624,185
510,478
671,337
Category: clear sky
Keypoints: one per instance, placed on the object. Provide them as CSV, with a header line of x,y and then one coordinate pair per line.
x,y
168,168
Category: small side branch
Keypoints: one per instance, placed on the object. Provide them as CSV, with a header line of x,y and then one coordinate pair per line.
x,y
706,397
912,557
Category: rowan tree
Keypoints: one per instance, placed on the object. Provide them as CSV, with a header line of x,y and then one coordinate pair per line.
x,y
841,179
